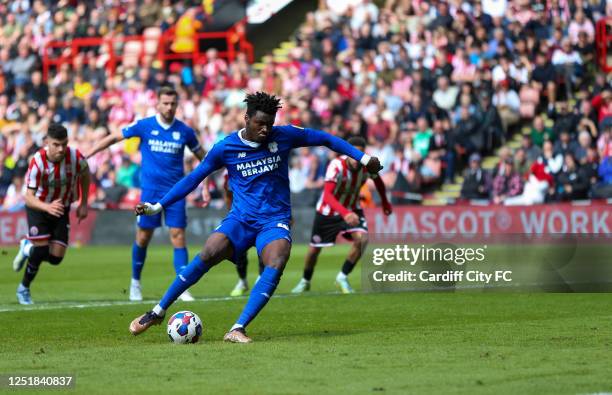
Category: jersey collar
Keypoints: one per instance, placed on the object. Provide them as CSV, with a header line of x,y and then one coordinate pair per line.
x,y
161,122
252,144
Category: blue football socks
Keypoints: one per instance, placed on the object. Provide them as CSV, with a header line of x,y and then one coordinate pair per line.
x,y
180,260
189,276
260,294
139,254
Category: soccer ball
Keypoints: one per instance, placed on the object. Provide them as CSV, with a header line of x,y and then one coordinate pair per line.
x,y
184,327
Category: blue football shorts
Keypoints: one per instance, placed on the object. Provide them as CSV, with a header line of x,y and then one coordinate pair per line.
x,y
244,234
175,215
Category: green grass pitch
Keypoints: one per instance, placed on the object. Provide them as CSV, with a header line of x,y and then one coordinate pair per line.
x,y
399,343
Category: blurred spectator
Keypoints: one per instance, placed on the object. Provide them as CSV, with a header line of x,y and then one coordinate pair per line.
x,y
604,142
467,134
573,181
508,104
186,30
591,168
6,174
127,174
110,192
441,148
491,127
22,65
540,133
38,92
567,62
531,151
421,138
475,180
551,159
539,183
604,188
445,95
544,75
565,144
603,105
580,24
521,163
15,194
506,184
583,146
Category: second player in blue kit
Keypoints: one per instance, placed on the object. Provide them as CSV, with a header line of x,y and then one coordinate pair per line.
x,y
163,140
257,160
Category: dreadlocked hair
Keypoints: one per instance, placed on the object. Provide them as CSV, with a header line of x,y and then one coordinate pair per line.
x,y
261,101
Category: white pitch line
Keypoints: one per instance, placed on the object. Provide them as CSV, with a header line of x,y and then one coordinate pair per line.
x,y
110,303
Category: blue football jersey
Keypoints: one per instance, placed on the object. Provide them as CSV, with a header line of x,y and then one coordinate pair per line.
x,y
259,173
162,151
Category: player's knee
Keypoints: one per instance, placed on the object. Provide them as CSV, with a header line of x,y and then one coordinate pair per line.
x,y
216,249
55,260
143,239
177,237
360,242
315,251
277,262
209,255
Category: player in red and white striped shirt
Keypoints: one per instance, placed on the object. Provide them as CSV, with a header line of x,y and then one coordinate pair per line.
x,y
56,175
339,212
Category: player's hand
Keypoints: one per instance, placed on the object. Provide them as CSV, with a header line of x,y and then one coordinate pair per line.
x,y
205,197
374,166
82,212
55,208
387,209
352,219
147,209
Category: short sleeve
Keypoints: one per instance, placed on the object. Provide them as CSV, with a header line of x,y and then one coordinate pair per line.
x,y
82,164
132,130
33,175
333,169
192,140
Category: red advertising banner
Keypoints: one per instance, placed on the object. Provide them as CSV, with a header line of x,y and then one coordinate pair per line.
x,y
592,218
14,226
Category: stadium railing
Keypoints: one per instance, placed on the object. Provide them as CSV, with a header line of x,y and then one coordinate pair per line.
x,y
153,45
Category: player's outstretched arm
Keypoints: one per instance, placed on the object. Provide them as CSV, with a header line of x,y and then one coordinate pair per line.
x,y
311,137
106,142
382,192
213,161
84,181
200,154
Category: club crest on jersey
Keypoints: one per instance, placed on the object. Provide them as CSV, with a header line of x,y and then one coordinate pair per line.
x,y
155,132
242,155
176,135
273,147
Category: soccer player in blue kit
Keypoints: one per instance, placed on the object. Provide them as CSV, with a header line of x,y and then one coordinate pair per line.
x,y
163,139
257,160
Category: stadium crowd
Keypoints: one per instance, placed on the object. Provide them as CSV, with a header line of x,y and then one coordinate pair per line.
x,y
433,87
